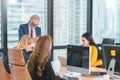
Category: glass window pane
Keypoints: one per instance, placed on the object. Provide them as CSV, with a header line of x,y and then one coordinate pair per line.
x,y
60,52
0,24
106,18
69,21
19,12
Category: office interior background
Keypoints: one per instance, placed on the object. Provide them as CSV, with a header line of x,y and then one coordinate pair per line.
x,y
64,20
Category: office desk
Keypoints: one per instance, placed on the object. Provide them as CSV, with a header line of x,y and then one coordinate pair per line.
x,y
56,65
89,77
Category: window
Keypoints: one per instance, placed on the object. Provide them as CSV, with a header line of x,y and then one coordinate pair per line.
x,y
67,27
106,18
0,24
61,52
19,12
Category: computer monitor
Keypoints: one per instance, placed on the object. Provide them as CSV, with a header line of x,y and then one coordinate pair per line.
x,y
78,59
107,56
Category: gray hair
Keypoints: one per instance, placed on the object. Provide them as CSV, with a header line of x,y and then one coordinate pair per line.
x,y
34,17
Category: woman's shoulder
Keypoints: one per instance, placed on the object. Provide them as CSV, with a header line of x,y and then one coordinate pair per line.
x,y
93,47
48,63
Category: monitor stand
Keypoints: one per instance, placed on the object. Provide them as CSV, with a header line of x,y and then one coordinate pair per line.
x,y
111,68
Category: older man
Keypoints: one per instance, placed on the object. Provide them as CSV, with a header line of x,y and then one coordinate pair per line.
x,y
31,28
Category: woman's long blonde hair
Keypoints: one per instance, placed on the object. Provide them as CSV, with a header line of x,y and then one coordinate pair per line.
x,y
40,55
25,42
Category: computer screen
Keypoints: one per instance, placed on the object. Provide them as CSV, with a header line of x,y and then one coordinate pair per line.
x,y
107,56
78,59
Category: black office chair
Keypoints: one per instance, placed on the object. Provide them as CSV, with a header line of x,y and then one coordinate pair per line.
x,y
108,41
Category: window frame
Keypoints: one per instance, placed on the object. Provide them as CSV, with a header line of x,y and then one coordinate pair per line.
x,y
50,26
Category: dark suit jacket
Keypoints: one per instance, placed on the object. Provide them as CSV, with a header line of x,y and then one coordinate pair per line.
x,y
47,73
26,55
24,30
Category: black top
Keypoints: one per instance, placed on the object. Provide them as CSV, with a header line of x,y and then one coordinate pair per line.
x,y
47,74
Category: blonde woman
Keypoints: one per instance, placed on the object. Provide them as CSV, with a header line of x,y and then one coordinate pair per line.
x,y
39,64
26,44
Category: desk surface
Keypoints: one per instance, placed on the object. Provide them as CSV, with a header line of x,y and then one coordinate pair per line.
x,y
63,70
89,77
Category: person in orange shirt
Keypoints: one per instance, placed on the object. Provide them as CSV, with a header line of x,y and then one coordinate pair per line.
x,y
87,40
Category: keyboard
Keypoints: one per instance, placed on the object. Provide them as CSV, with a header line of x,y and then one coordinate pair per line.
x,y
117,73
69,78
117,77
98,73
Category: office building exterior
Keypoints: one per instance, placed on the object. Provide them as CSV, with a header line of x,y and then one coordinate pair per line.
x,y
19,13
69,23
106,18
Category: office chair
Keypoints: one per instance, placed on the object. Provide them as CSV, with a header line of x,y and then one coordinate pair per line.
x,y
19,72
108,41
17,65
15,56
3,72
